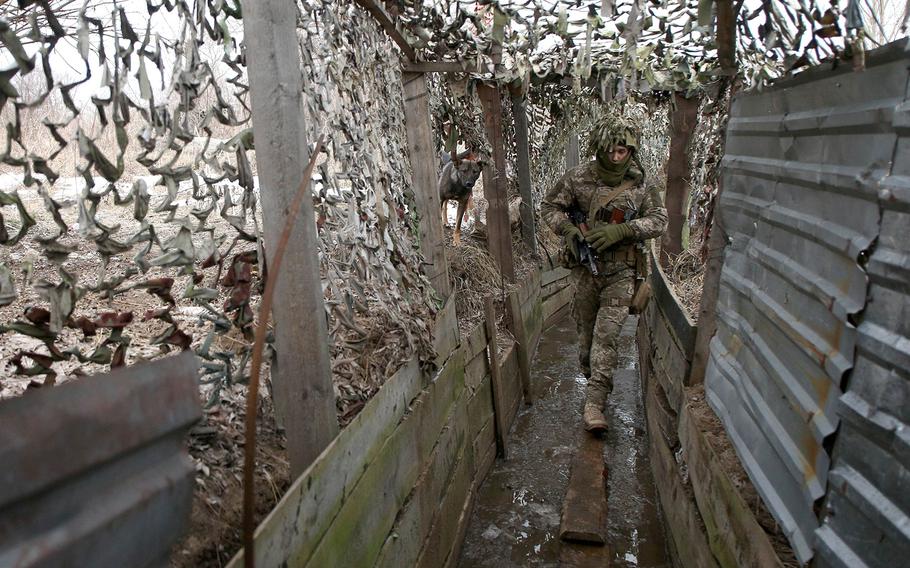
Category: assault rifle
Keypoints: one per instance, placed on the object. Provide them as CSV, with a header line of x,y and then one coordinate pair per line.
x,y
585,254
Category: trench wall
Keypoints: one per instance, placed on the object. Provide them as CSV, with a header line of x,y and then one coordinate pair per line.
x,y
400,480
708,521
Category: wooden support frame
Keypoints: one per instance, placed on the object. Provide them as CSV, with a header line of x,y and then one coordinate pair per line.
x,y
385,20
302,377
423,165
499,236
523,155
499,410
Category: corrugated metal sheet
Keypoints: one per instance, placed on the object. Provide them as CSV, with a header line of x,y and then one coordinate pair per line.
x,y
803,168
866,515
95,472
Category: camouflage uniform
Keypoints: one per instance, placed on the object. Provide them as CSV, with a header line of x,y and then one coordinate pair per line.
x,y
602,302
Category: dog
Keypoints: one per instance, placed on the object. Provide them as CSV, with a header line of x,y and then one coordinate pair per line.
x,y
456,182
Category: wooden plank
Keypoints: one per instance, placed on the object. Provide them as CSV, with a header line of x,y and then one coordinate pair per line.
x,y
386,23
584,509
446,67
476,342
523,169
445,332
412,525
511,386
678,319
484,452
556,302
681,516
581,555
369,511
495,185
522,346
480,406
549,276
442,541
495,373
668,364
530,288
734,534
666,417
422,153
304,514
476,370
305,401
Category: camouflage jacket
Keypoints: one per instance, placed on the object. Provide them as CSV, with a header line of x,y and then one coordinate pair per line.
x,y
581,188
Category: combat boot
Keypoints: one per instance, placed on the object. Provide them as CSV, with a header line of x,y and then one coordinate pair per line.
x,y
594,419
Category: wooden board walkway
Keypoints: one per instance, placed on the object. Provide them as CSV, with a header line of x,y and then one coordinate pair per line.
x,y
584,513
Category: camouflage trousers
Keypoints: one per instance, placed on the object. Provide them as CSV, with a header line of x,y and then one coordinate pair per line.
x,y
600,307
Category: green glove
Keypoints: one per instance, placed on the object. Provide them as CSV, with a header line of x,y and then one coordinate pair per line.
x,y
603,236
572,236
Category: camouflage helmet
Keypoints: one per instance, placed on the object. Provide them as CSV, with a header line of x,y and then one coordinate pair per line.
x,y
611,130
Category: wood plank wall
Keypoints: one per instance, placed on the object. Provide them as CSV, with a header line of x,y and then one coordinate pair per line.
x,y
403,475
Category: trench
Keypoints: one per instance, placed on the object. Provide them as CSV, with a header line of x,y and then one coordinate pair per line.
x,y
517,511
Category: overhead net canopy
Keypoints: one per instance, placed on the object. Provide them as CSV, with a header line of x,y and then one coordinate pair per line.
x,y
128,146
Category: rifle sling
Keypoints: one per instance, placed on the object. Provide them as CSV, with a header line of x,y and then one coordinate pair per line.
x,y
626,184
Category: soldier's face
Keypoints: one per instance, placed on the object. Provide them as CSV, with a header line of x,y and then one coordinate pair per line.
x,y
618,153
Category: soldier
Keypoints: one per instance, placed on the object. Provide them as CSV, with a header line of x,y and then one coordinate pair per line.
x,y
610,193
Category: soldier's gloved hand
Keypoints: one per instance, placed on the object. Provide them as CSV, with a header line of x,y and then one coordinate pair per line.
x,y
572,236
604,236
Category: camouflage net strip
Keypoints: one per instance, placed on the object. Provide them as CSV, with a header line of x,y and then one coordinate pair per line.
x,y
131,219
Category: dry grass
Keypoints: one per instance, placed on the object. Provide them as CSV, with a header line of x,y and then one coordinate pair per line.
x,y
686,275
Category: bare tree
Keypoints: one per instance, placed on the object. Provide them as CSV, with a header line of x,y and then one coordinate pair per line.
x,y
884,19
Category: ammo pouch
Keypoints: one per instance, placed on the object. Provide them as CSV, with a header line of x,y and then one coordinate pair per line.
x,y
640,297
564,258
642,284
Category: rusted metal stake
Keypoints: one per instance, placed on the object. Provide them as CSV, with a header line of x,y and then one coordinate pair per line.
x,y
252,399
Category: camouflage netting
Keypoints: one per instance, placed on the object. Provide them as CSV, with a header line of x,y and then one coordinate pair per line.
x,y
137,230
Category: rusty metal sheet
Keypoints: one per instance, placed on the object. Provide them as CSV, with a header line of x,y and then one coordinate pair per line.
x,y
869,498
97,470
804,168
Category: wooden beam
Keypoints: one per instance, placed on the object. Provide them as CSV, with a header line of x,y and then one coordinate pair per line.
x,y
584,511
444,67
495,185
385,21
423,158
302,377
499,407
726,37
682,126
523,159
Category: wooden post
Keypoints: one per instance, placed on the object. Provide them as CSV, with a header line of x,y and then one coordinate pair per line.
x,y
423,164
499,410
707,316
682,125
495,185
523,154
521,346
726,36
302,378
572,156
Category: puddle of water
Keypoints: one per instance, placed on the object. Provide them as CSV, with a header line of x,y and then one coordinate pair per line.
x,y
517,512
